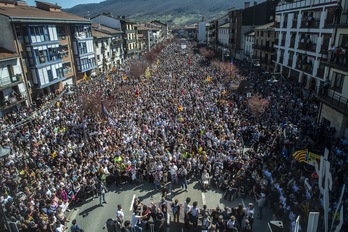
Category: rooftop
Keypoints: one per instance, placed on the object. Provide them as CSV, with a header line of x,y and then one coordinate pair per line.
x,y
6,54
41,13
266,26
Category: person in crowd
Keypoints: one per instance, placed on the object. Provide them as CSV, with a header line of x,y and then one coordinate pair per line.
x,y
205,180
176,206
197,123
75,227
187,208
261,203
119,214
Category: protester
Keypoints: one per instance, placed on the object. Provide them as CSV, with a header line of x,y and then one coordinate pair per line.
x,y
152,127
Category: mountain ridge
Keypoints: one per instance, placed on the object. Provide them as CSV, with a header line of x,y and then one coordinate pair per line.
x,y
180,12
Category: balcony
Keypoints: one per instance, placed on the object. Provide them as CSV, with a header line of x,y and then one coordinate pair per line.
x,y
329,19
307,47
290,62
294,24
340,64
8,82
282,42
304,67
68,72
285,24
128,41
276,41
314,23
335,101
9,102
277,24
116,42
281,60
292,44
320,72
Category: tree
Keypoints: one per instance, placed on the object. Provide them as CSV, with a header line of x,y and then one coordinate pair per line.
x,y
207,53
257,105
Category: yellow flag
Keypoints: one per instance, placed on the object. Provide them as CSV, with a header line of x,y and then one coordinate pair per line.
x,y
158,62
208,79
124,77
108,77
85,77
147,72
180,108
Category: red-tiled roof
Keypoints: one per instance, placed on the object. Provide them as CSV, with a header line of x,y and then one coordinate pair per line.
x,y
27,13
6,54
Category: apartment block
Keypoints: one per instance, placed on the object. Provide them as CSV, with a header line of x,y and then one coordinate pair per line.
x,y
55,47
108,46
121,24
13,91
263,49
333,72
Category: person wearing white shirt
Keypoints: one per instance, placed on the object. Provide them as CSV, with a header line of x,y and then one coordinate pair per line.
x,y
119,214
135,225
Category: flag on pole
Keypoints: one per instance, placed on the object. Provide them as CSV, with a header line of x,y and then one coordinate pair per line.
x,y
85,77
111,121
306,156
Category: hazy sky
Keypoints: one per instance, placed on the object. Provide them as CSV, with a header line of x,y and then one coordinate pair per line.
x,y
64,3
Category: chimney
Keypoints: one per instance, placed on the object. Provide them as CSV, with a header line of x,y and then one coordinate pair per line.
x,y
246,4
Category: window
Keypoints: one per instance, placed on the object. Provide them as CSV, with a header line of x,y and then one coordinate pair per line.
x,y
10,70
338,80
82,47
49,74
60,72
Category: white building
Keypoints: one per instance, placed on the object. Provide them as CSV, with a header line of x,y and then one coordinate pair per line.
x,y
13,92
248,45
202,32
306,30
223,34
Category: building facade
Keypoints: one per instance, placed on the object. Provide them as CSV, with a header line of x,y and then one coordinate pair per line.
x,y
13,91
121,24
248,45
108,46
333,94
56,47
264,51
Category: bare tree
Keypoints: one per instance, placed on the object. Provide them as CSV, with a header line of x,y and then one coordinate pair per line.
x,y
207,53
257,105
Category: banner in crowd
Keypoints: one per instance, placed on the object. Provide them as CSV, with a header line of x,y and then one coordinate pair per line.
x,y
111,121
306,156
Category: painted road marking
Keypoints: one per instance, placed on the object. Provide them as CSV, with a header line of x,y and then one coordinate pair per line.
x,y
131,206
203,199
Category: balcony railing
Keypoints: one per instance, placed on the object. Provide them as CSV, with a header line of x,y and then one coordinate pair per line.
x,y
314,23
329,19
282,42
285,24
6,103
320,72
292,43
307,46
304,67
294,24
340,64
67,72
10,81
335,101
290,62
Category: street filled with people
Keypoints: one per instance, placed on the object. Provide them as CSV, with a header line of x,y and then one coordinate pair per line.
x,y
183,119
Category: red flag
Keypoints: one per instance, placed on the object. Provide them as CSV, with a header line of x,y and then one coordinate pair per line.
x,y
188,61
136,93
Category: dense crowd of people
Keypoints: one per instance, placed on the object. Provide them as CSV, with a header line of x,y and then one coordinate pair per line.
x,y
175,125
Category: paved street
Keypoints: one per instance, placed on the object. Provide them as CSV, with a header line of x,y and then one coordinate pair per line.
x,y
92,217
